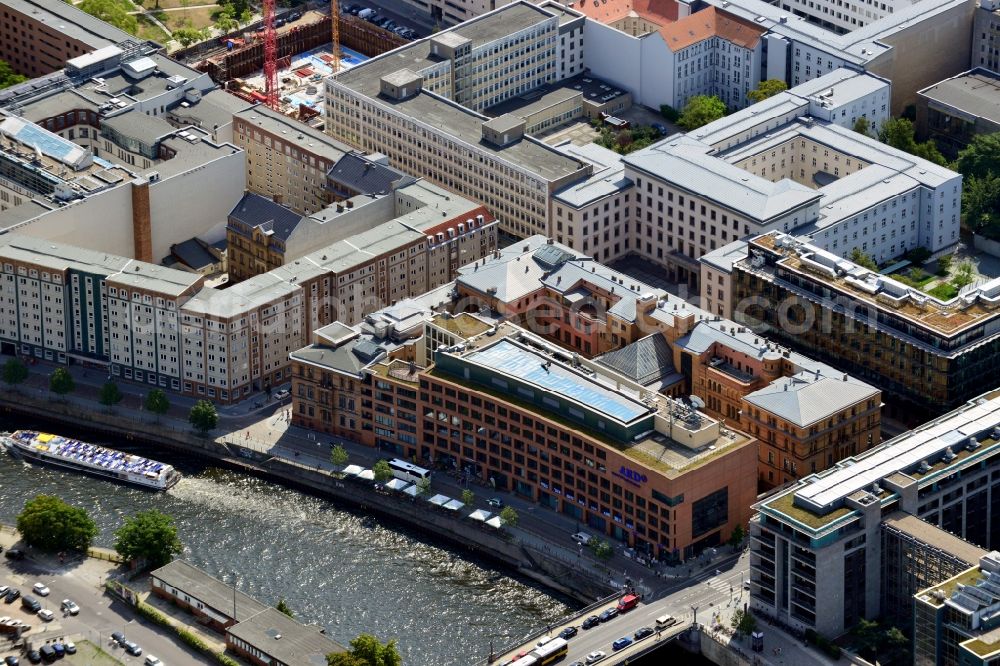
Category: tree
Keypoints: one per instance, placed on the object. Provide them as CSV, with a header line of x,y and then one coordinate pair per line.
x,y
61,382
370,651
424,486
111,12
8,77
736,538
245,17
601,549
929,151
508,516
867,636
670,113
701,110
964,274
468,497
203,416
862,259
150,537
896,647
111,395
225,19
282,607
766,89
918,255
944,265
187,36
344,659
744,622
382,471
157,403
52,525
862,126
981,158
338,455
981,201
14,372
898,133
238,6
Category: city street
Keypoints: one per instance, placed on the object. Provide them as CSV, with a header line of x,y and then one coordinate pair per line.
x,y
100,614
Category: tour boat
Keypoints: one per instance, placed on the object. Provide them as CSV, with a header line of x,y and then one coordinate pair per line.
x,y
46,449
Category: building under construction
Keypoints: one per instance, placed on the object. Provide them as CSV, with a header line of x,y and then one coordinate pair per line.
x,y
242,56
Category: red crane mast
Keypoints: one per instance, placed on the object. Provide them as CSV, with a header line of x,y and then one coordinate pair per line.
x,y
270,56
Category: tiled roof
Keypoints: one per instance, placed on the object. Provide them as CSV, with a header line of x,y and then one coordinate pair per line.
x,y
708,23
257,211
360,174
644,361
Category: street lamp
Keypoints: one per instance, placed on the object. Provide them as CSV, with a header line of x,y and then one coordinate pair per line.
x,y
694,609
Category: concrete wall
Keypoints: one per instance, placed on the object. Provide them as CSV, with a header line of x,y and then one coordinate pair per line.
x,y
718,653
657,71
614,56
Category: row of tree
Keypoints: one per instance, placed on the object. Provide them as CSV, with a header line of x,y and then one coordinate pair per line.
x,y
51,525
703,109
203,415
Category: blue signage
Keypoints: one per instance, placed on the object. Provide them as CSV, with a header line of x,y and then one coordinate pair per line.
x,y
631,475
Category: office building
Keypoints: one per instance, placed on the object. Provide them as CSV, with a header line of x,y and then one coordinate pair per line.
x,y
831,549
955,622
986,36
922,351
953,111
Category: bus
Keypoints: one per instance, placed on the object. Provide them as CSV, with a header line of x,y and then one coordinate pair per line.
x,y
555,649
408,471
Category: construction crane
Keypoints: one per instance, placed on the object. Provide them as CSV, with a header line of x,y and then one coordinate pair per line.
x,y
270,57
335,35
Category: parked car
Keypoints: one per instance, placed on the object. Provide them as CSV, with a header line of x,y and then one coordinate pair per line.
x,y
282,394
41,589
591,621
4,589
11,661
609,614
627,603
70,607
354,9
14,554
132,648
12,595
70,647
59,649
567,633
495,502
34,656
118,637
48,654
46,615
644,632
621,643
31,603
390,25
595,657
152,661
582,538
662,129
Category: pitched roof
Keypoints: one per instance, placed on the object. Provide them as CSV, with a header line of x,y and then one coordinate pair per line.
x,y
284,640
212,592
644,361
808,397
257,211
609,11
707,23
361,174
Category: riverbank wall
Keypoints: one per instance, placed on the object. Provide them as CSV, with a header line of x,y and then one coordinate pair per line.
x,y
498,546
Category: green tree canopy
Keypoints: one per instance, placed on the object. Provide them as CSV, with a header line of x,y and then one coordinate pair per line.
x,y
382,471
113,12
111,395
239,6
52,525
61,382
203,416
508,516
701,110
863,259
768,88
282,606
344,659
14,372
981,201
601,549
981,158
156,402
338,455
150,536
468,497
736,538
188,36
670,113
900,134
369,651
862,126
8,77
744,622
424,486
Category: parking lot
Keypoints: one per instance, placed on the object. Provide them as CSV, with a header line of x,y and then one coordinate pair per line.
x,y
79,579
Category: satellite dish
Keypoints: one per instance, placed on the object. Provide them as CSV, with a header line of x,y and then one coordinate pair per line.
x,y
697,402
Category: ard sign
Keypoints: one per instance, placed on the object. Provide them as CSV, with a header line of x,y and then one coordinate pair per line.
x,y
631,475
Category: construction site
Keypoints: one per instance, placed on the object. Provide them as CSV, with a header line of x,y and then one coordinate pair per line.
x,y
283,61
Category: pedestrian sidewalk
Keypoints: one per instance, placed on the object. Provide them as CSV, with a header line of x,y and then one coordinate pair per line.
x,y
780,647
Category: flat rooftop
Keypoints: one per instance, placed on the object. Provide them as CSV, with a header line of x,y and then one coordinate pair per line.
x,y
934,536
975,93
66,19
294,131
587,88
285,640
185,577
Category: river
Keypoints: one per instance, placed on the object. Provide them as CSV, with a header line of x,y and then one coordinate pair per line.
x,y
443,609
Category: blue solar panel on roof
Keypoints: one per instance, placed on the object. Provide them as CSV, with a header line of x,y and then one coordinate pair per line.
x,y
526,366
49,144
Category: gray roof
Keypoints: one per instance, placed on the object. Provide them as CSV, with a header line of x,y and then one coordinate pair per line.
x,y
513,273
255,210
645,361
63,17
137,125
608,177
212,592
933,535
214,109
724,257
976,93
342,359
808,397
360,174
192,253
690,167
307,138
285,640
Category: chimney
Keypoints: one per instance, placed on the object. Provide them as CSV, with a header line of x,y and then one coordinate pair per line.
x,y
142,235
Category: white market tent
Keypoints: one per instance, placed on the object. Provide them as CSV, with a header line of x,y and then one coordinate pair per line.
x,y
367,474
396,484
454,505
353,470
494,522
411,491
440,500
480,514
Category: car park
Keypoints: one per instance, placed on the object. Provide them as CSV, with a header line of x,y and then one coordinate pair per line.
x,y
46,615
595,657
591,621
41,589
609,614
70,607
621,643
567,633
644,632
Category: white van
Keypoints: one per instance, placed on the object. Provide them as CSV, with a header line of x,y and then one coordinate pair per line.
x,y
665,621
582,538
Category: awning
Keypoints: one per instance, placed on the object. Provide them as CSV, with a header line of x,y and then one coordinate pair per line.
x,y
396,484
412,491
440,500
480,514
494,522
353,470
367,474
454,505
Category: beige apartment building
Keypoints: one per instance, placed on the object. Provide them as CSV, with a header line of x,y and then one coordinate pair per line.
x,y
286,160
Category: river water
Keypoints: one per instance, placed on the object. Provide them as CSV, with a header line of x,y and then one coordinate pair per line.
x,y
443,609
